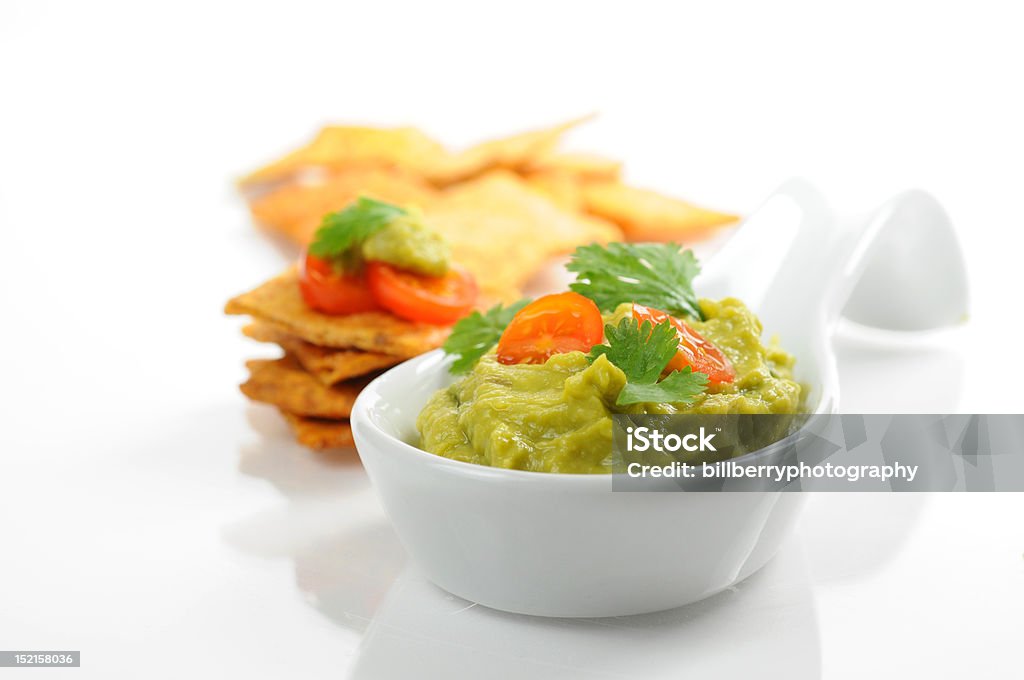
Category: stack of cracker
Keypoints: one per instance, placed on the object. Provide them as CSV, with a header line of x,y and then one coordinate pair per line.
x,y
327,359
505,205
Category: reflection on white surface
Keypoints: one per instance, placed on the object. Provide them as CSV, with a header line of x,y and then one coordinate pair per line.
x,y
344,552
851,536
349,567
764,627
873,365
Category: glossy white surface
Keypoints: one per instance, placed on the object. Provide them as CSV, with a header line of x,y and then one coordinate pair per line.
x,y
152,519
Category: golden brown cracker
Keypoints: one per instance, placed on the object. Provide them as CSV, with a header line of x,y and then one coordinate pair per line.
x,y
283,383
320,433
581,165
295,210
339,146
279,302
565,189
561,176
503,231
646,215
511,153
329,365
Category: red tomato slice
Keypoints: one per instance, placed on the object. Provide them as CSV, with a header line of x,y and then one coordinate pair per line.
x,y
553,324
694,351
439,300
329,291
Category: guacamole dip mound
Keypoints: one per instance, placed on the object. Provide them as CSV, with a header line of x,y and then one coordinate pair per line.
x,y
556,416
409,244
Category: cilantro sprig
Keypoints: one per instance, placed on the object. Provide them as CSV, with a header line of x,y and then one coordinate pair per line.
x,y
341,231
642,351
474,335
657,275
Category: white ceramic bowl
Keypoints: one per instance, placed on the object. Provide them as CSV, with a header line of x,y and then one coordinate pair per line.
x,y
567,545
553,544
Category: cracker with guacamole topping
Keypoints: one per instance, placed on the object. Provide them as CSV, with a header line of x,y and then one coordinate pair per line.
x,y
283,383
319,433
279,302
295,210
645,215
329,365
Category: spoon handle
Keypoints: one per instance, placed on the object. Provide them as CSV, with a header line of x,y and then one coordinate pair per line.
x,y
800,267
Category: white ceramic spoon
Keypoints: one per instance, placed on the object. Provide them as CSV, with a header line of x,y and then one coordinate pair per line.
x,y
567,545
898,268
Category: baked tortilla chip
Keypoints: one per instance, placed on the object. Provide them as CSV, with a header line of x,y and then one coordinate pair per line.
x,y
283,383
510,153
565,189
279,302
580,165
338,146
561,176
649,216
295,210
320,433
327,364
503,231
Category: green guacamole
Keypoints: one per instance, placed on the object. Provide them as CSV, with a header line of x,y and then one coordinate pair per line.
x,y
408,243
556,416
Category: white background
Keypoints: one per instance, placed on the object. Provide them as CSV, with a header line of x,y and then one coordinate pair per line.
x,y
153,520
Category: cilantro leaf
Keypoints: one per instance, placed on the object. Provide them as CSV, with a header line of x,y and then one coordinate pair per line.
x,y
678,387
473,335
657,275
341,231
642,351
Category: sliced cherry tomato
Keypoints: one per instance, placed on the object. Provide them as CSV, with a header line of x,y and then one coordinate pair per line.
x,y
694,351
553,324
326,289
431,299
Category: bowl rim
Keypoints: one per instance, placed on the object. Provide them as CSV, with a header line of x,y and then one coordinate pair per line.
x,y
362,422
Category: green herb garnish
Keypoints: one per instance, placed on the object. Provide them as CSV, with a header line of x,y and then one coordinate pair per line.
x,y
474,335
651,274
642,351
342,231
